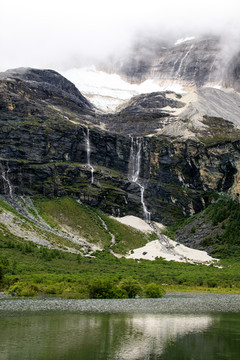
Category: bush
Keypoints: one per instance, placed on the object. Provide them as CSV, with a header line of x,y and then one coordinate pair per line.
x,y
22,289
29,290
131,286
105,289
153,291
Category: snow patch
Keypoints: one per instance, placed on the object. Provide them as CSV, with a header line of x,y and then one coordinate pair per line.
x,y
173,251
134,222
164,247
182,40
108,91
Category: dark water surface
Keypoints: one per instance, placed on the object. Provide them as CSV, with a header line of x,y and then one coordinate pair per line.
x,y
178,326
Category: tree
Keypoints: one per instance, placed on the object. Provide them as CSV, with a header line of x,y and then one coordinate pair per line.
x,y
131,287
153,291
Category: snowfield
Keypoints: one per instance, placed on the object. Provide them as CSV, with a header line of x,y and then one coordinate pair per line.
x,y
108,91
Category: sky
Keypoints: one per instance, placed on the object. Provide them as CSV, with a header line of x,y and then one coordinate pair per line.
x,y
64,34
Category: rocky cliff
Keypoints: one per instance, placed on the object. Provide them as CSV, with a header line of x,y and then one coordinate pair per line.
x,y
190,61
162,153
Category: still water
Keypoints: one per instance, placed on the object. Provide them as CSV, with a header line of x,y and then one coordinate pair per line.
x,y
178,326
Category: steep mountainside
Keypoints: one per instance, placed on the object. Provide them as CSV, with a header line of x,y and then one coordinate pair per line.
x,y
162,153
192,61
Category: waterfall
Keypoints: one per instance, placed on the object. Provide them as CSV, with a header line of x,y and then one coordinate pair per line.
x,y
8,189
181,62
88,150
134,170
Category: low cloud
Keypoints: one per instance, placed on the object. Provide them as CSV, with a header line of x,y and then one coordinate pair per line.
x,y
62,34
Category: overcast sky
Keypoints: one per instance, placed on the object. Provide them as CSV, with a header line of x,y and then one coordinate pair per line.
x,y
57,34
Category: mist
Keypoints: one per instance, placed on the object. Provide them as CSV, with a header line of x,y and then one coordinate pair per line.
x,y
66,34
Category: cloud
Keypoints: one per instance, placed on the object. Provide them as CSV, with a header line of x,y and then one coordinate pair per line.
x,y
57,34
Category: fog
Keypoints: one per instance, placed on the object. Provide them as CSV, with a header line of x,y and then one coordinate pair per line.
x,y
66,34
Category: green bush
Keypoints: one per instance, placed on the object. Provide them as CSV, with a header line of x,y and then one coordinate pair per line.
x,y
153,291
105,289
29,290
131,286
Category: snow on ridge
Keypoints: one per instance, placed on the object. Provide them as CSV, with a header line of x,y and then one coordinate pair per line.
x,y
182,40
108,91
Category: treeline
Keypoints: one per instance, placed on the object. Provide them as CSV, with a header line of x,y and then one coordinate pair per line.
x,y
89,289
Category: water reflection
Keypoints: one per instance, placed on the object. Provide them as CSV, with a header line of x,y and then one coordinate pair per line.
x,y
102,336
149,334
182,326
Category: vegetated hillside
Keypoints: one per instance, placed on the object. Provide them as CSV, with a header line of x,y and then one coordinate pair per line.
x,y
67,225
43,243
216,229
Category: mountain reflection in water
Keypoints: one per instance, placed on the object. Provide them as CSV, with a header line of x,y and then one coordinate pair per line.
x,y
181,326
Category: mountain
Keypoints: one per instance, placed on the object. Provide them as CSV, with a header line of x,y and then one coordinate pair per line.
x,y
191,61
161,156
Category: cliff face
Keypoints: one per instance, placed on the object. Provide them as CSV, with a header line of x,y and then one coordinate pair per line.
x,y
54,142
191,61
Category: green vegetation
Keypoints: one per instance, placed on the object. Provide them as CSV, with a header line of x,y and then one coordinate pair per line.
x,y
223,219
171,230
67,214
218,131
225,216
27,269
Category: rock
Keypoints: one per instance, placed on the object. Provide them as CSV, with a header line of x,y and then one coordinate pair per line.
x,y
43,147
44,84
195,61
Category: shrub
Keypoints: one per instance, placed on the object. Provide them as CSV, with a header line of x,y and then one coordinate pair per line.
x,y
105,289
131,286
29,290
22,289
153,291
211,283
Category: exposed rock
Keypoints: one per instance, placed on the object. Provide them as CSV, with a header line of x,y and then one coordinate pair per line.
x,y
193,61
43,146
196,61
35,84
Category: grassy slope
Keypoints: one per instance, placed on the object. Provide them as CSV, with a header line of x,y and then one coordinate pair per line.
x,y
29,269
67,214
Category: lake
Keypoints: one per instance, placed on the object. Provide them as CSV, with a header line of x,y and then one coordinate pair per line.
x,y
178,326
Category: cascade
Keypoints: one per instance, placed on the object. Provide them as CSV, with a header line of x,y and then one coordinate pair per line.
x,y
134,170
182,61
8,187
88,150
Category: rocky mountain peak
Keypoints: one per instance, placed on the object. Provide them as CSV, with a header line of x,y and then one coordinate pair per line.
x,y
45,84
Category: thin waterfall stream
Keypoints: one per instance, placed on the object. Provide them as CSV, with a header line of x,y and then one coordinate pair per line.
x,y
8,188
133,175
88,150
134,170
181,65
